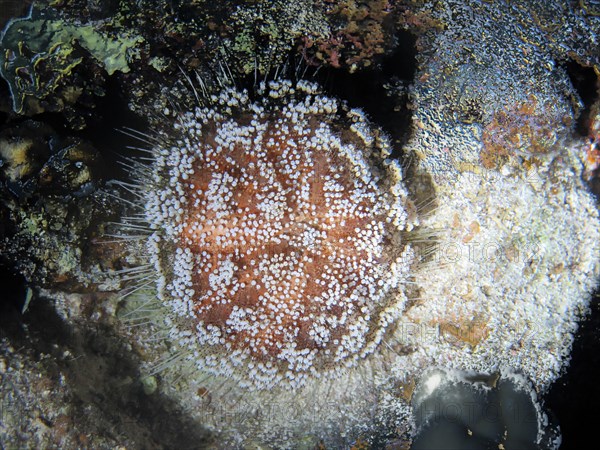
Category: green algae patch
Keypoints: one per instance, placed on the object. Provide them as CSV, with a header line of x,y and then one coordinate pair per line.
x,y
41,53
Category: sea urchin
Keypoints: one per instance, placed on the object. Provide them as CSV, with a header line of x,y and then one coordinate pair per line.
x,y
278,236
278,241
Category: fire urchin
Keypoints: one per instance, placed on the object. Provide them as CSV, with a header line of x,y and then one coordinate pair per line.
x,y
277,242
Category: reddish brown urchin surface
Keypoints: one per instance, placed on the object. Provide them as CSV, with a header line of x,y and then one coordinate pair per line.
x,y
278,235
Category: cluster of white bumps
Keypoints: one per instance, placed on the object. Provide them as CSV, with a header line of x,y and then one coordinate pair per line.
x,y
277,230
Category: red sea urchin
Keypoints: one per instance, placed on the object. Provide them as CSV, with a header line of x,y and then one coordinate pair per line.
x,y
278,236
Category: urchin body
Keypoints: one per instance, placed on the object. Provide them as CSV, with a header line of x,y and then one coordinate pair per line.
x,y
278,246
285,257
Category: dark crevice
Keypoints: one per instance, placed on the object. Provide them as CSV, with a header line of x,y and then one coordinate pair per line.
x,y
5,102
585,82
402,62
106,131
572,397
381,93
12,300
